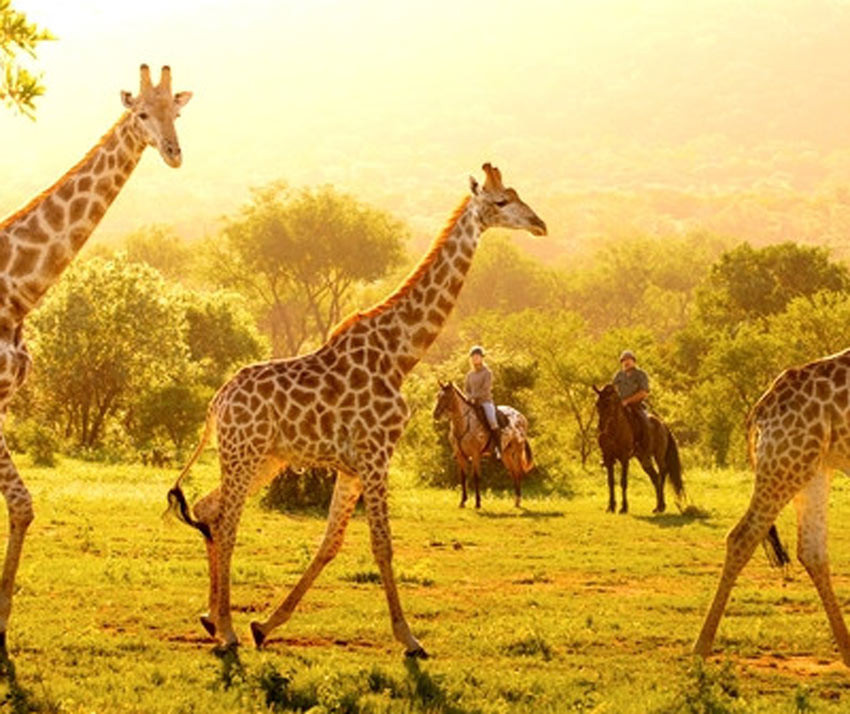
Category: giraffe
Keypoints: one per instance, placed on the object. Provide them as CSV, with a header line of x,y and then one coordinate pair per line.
x,y
38,242
339,407
799,431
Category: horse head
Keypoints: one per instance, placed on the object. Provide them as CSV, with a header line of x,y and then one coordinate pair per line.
x,y
444,399
607,402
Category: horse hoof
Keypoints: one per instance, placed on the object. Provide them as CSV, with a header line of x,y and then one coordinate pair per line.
x,y
418,653
462,504
257,634
611,509
208,625
624,509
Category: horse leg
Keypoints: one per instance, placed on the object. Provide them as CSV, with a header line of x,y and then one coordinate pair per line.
x,y
461,466
476,477
657,482
624,482
612,501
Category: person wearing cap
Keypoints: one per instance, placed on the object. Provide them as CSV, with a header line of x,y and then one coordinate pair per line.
x,y
478,387
632,384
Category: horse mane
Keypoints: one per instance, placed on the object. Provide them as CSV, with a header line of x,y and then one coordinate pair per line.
x,y
461,394
407,285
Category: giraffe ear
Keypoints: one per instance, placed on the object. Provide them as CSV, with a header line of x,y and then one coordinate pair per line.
x,y
127,99
473,185
181,99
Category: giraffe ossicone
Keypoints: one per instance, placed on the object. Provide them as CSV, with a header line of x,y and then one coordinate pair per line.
x,y
39,241
798,433
339,407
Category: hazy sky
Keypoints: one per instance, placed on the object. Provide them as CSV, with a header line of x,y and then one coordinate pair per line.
x,y
398,102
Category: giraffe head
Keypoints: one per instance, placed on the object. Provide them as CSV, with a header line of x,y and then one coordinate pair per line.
x,y
500,207
154,111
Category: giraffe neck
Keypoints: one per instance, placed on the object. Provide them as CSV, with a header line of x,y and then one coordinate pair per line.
x,y
407,322
38,242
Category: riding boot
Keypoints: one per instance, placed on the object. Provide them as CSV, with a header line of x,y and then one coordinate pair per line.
x,y
496,436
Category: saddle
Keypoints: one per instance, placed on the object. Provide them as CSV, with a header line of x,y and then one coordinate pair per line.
x,y
501,417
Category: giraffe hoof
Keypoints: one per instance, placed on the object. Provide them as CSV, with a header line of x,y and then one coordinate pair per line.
x,y
208,625
258,635
418,653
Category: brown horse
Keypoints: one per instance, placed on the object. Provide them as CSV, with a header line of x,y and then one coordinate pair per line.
x,y
617,442
470,440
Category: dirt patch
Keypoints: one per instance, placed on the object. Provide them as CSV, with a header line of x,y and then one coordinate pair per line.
x,y
797,666
316,641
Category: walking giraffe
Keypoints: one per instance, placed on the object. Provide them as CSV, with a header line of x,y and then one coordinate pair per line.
x,y
799,430
339,407
38,242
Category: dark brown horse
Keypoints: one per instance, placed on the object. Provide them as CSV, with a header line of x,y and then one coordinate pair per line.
x,y
470,440
617,442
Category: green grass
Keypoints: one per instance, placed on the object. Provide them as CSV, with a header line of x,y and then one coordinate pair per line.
x,y
558,607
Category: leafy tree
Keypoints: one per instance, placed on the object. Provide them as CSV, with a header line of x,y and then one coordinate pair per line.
x,y
747,284
221,335
502,278
18,86
107,333
161,248
299,254
173,411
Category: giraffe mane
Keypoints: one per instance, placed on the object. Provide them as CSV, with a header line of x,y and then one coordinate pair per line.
x,y
402,290
53,187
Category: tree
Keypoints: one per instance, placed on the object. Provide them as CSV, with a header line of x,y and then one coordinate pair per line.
x,y
160,247
18,86
221,335
502,278
748,284
109,332
299,254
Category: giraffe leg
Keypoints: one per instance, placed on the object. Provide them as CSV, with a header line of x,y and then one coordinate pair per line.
x,y
234,491
811,505
206,511
347,492
19,504
375,499
740,544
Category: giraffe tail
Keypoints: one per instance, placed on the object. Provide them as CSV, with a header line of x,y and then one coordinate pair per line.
x,y
177,504
775,551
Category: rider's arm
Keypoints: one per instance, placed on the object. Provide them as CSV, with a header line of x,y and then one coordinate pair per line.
x,y
636,398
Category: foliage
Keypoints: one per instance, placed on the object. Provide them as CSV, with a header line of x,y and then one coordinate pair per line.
x,y
170,412
18,86
106,333
293,490
221,335
300,254
160,247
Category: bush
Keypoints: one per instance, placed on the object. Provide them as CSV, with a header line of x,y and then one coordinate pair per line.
x,y
37,440
293,490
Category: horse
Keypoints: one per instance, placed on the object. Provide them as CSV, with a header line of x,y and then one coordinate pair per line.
x,y
470,440
617,442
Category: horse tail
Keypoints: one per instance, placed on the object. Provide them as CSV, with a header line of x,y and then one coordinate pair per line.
x,y
527,457
674,465
177,504
777,556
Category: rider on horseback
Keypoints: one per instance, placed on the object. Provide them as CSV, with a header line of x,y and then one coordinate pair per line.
x,y
478,387
633,387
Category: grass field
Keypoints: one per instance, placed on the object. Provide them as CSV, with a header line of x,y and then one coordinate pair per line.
x,y
558,607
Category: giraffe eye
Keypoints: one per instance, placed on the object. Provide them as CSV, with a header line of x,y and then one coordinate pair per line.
x,y
143,115
502,203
